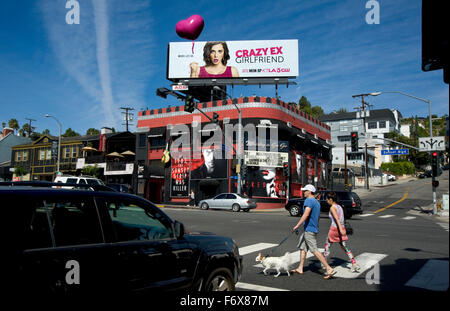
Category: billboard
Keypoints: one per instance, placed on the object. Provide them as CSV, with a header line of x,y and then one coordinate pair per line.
x,y
233,59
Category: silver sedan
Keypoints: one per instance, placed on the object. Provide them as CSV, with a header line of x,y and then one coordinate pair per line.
x,y
231,201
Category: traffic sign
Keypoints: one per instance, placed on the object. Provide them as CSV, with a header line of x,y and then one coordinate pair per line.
x,y
394,151
435,143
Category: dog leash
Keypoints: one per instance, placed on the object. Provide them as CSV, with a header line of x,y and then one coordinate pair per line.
x,y
284,240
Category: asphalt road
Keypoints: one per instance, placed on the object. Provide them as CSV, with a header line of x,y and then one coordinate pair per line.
x,y
397,246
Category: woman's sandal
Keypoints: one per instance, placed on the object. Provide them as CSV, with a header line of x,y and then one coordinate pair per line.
x,y
329,275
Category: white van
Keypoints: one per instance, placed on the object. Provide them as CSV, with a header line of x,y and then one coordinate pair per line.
x,y
79,180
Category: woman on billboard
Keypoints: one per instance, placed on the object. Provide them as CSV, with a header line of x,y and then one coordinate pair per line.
x,y
215,56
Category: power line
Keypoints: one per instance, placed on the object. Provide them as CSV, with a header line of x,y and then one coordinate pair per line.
x,y
128,116
30,129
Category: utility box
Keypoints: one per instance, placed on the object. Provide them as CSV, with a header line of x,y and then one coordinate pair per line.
x,y
445,202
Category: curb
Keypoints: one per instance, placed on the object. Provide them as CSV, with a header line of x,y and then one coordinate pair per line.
x,y
197,208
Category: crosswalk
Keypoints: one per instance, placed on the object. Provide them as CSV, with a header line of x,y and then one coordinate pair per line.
x,y
444,225
432,276
386,216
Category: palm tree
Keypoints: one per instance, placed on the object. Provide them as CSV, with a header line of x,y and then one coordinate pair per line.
x,y
14,124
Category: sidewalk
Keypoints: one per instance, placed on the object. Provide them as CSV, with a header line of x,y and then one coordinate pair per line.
x,y
442,215
362,191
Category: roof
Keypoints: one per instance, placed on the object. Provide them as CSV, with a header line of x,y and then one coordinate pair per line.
x,y
376,114
9,141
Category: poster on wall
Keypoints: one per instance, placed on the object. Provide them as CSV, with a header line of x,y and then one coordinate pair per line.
x,y
210,165
179,174
297,168
310,170
266,182
233,59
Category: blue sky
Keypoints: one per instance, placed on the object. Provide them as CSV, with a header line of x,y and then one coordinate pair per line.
x,y
82,74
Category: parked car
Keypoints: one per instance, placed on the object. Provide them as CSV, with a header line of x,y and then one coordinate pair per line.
x,y
357,200
429,173
120,187
82,180
391,177
118,243
345,199
230,201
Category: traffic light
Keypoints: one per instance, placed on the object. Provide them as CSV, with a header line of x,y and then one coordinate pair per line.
x,y
285,169
354,138
215,118
434,163
243,171
189,103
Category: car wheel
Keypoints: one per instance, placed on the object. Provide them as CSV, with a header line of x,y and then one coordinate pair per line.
x,y
204,206
236,208
219,280
294,210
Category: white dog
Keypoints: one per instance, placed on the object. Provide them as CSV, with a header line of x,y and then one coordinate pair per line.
x,y
277,263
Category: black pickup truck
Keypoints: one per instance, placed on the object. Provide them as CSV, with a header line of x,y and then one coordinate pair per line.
x,y
75,242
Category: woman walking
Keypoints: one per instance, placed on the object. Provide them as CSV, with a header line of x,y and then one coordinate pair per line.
x,y
337,233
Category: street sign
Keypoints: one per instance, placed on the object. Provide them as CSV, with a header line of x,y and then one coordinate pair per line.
x,y
435,143
394,151
179,87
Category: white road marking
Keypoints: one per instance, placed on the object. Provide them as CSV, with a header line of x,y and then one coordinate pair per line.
x,y
408,217
365,261
387,216
254,248
365,215
432,276
443,225
293,257
259,287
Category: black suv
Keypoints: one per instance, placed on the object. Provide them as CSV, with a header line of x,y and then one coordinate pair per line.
x,y
345,199
75,242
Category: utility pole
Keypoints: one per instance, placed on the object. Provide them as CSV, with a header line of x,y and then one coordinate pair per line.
x,y
128,116
30,129
367,166
345,168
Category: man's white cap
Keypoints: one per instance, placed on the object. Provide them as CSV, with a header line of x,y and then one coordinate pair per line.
x,y
309,188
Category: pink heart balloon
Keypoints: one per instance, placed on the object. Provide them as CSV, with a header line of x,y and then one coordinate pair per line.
x,y
190,28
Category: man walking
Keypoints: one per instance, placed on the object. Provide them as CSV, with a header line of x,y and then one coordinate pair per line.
x,y
308,241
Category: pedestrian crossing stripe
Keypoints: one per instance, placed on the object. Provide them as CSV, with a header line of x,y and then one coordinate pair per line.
x,y
255,248
443,225
387,216
366,215
408,217
365,261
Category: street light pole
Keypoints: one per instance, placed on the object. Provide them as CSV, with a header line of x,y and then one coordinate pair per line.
x,y
239,151
431,134
59,142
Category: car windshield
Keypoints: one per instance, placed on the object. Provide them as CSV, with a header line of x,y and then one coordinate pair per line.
x,y
94,182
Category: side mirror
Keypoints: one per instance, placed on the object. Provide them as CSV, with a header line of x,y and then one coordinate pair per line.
x,y
179,229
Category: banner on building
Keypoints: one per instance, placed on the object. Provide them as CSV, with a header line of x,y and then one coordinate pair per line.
x,y
265,158
179,177
233,59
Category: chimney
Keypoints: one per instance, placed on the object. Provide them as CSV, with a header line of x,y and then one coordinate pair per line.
x,y
7,130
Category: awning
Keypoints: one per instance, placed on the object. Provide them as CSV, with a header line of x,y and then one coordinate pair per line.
x,y
115,154
128,152
88,148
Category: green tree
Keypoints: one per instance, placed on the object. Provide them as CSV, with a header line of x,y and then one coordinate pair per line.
x,y
46,132
91,170
26,130
70,133
14,124
20,170
92,131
